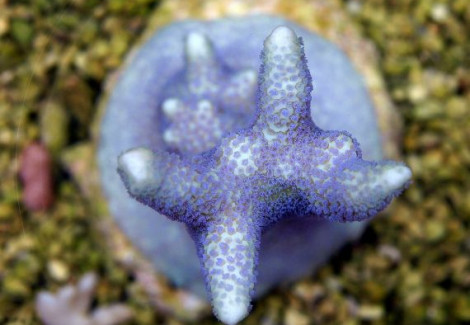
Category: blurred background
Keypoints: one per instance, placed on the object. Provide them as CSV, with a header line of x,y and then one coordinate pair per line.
x,y
58,58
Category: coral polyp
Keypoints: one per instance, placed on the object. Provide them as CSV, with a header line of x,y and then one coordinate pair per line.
x,y
239,158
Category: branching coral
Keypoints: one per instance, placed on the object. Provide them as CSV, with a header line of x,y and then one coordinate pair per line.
x,y
71,306
282,166
198,116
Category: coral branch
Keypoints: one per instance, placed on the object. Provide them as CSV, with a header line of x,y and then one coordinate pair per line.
x,y
228,251
162,181
201,65
70,306
193,130
284,88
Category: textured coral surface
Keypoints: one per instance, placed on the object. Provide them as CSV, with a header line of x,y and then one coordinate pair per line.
x,y
134,119
281,166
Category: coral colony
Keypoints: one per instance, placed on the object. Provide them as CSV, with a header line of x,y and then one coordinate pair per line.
x,y
281,166
240,160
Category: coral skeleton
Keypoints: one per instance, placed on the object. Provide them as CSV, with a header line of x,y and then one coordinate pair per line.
x,y
228,188
71,306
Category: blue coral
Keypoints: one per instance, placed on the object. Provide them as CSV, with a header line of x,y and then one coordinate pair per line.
x,y
280,166
205,101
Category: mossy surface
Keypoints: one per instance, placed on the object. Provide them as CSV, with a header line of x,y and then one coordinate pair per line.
x,y
411,267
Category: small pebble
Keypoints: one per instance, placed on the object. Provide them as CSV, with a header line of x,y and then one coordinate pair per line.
x,y
58,270
370,312
294,317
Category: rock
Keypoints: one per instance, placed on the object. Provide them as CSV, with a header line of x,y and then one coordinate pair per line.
x,y
36,175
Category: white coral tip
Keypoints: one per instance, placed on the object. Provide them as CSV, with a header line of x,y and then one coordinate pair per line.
x,y
136,165
231,314
171,107
281,36
198,47
396,177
